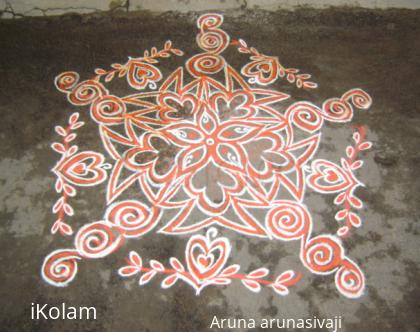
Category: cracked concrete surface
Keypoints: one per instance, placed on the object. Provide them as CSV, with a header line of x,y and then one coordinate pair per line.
x,y
343,48
19,8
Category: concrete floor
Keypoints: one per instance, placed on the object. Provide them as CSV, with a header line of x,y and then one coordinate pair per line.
x,y
343,48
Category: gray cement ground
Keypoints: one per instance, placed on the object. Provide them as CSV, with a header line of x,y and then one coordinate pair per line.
x,y
343,48
59,7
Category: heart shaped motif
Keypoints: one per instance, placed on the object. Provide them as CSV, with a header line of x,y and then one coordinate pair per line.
x,y
84,169
264,71
141,74
233,105
327,177
205,260
176,107
206,257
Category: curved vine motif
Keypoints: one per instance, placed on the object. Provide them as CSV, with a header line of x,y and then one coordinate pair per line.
x,y
140,71
328,177
74,168
264,69
214,146
206,265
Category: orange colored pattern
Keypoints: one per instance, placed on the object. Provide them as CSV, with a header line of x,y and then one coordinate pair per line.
x,y
204,149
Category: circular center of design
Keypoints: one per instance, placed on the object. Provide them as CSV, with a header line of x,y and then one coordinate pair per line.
x,y
210,141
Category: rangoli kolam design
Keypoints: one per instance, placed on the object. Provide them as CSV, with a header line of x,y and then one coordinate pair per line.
x,y
222,125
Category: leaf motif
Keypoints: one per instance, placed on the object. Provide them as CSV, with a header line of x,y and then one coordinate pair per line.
x,y
99,71
345,164
55,226
310,85
156,265
57,206
135,259
258,273
70,137
340,198
58,147
230,270
357,164
221,281
355,220
177,52
290,78
304,76
74,117
365,146
60,131
280,289
128,271
357,203
342,231
58,185
73,149
251,285
242,42
122,73
282,73
65,229
340,215
110,76
168,45
356,137
169,281
69,190
68,210
285,276
145,278
77,125
176,264
349,151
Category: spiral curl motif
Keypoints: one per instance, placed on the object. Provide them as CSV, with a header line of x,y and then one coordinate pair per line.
x,y
288,221
86,92
205,64
66,81
359,98
337,110
60,267
97,240
350,280
322,254
305,116
213,41
209,21
132,218
108,110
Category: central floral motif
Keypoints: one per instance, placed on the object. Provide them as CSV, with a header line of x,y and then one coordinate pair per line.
x,y
207,141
